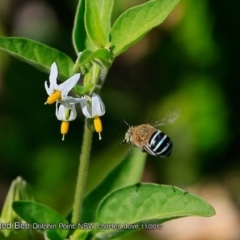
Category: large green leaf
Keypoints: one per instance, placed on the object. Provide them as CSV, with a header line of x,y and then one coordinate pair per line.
x,y
128,172
36,213
37,54
133,24
79,36
105,8
147,204
97,20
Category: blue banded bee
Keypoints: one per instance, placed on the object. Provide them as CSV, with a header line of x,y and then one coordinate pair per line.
x,y
151,140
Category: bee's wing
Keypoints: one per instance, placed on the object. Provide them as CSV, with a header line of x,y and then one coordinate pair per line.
x,y
169,118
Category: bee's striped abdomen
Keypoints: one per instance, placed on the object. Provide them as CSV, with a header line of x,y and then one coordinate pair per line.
x,y
159,144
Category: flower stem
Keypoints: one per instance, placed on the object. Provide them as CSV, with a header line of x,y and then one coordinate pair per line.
x,y
82,174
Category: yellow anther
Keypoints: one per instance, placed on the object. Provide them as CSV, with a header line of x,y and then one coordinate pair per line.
x,y
98,126
53,97
64,128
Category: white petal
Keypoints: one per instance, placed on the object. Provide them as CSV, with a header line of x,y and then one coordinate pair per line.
x,y
72,100
66,86
60,112
48,89
64,103
98,108
73,113
56,111
86,109
69,101
53,76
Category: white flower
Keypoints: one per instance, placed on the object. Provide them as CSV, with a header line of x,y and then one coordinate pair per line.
x,y
62,112
65,115
94,107
59,92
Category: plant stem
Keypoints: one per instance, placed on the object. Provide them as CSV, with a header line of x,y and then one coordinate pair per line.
x,y
91,78
82,174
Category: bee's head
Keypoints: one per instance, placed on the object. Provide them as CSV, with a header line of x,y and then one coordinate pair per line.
x,y
128,135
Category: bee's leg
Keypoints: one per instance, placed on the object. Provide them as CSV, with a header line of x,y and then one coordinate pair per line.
x,y
123,142
142,149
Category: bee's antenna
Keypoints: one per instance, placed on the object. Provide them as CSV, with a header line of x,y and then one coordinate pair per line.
x,y
126,123
124,140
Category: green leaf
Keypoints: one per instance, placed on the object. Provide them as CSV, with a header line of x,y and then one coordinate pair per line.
x,y
127,172
79,234
148,203
51,235
133,24
19,190
37,54
97,20
79,35
87,56
105,8
33,212
78,89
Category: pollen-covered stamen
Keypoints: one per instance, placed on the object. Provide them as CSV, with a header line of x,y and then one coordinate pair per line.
x,y
98,126
64,128
56,95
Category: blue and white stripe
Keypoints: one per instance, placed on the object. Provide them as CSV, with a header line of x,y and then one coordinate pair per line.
x,y
159,145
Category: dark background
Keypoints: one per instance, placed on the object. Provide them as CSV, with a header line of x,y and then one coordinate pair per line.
x,y
190,62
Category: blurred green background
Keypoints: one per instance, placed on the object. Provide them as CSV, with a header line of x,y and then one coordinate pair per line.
x,y
190,62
